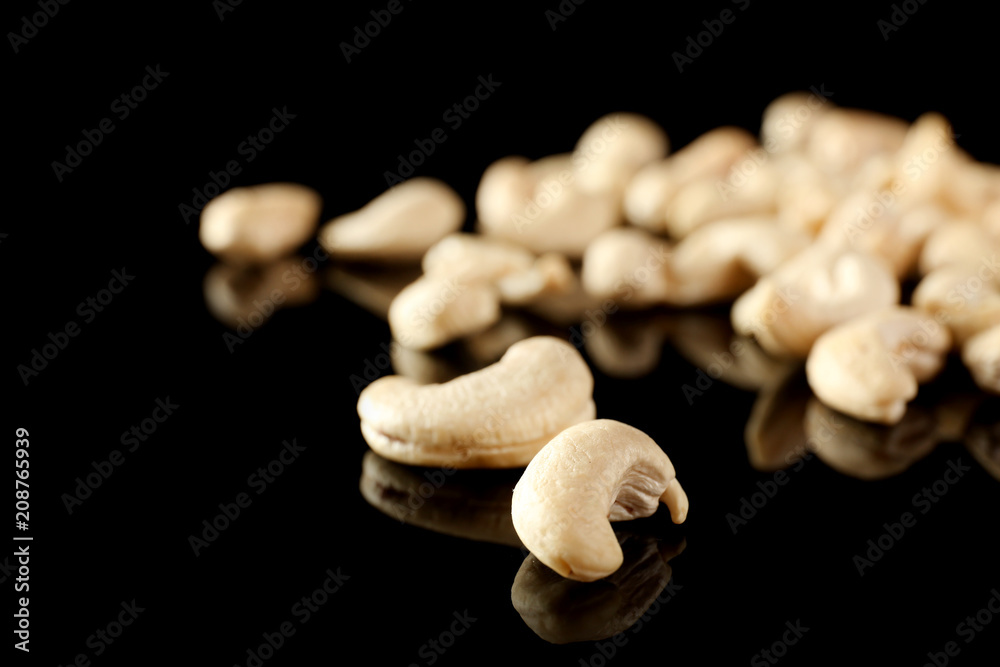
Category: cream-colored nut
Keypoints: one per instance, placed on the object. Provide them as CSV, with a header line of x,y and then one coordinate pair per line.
x,y
397,226
871,366
958,242
965,297
708,199
981,355
723,258
787,120
259,224
248,296
870,451
972,186
841,140
926,159
787,310
614,148
538,205
562,611
709,343
708,158
518,275
473,509
471,258
894,232
498,417
435,310
372,288
806,196
628,265
592,473
627,348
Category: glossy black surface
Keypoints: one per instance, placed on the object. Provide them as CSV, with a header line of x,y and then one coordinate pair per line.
x,y
403,585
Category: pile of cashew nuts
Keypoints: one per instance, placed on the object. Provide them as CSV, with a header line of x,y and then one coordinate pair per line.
x,y
862,245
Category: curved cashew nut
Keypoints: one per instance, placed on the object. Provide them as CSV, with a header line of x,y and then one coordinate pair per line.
x,y
592,473
870,367
613,148
787,120
259,224
963,296
498,417
841,140
959,242
397,226
538,205
435,310
787,310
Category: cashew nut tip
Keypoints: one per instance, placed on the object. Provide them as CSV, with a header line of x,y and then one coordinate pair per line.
x,y
259,224
589,475
497,417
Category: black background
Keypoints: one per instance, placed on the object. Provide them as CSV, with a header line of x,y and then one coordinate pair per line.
x,y
290,379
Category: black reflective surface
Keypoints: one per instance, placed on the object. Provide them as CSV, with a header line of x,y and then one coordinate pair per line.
x,y
155,423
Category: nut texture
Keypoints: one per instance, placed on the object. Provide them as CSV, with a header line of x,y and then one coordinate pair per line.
x,y
590,474
498,417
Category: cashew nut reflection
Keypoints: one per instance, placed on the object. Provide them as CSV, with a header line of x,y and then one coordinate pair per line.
x,y
775,435
472,505
372,288
629,345
562,611
249,296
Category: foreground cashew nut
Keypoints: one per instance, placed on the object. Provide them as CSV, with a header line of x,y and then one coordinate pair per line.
x,y
259,224
590,474
870,367
498,417
397,226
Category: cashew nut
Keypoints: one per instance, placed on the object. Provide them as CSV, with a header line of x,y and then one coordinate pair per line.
x,y
870,367
958,242
788,309
787,120
590,474
841,140
539,205
964,296
498,417
981,355
435,310
259,224
397,226
613,148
